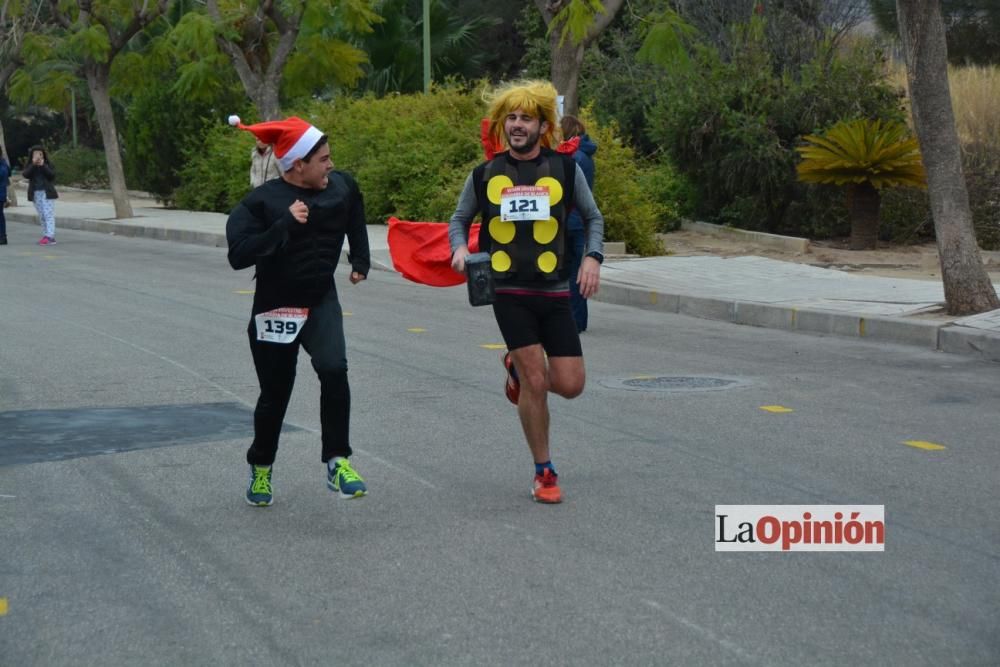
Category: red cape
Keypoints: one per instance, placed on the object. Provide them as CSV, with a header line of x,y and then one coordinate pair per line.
x,y
421,251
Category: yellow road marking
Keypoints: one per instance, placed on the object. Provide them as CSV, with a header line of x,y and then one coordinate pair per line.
x,y
923,444
416,330
3,606
775,408
347,313
243,291
493,346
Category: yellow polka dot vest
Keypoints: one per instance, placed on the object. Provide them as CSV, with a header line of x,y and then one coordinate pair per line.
x,y
526,250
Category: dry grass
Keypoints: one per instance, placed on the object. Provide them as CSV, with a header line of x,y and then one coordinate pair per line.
x,y
975,97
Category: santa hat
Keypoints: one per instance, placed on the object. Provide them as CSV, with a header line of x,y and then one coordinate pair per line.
x,y
292,138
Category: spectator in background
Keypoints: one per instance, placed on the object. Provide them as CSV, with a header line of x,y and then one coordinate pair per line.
x,y
584,156
41,177
263,166
4,180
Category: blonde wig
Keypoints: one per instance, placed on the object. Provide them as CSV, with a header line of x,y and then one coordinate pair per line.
x,y
537,98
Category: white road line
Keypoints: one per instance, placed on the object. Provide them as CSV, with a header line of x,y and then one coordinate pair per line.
x,y
704,632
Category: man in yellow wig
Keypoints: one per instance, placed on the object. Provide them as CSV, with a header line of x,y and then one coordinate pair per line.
x,y
523,196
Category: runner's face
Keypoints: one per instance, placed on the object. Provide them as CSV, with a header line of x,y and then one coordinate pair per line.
x,y
523,131
314,173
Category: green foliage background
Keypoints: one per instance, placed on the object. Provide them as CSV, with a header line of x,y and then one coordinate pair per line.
x,y
732,126
80,167
411,155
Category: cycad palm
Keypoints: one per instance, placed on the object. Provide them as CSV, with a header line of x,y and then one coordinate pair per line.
x,y
866,156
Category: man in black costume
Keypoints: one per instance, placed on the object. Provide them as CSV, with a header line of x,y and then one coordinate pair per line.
x,y
292,230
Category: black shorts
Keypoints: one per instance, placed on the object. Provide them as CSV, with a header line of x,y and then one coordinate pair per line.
x,y
530,319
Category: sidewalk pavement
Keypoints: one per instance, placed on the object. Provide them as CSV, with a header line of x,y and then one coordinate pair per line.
x,y
742,290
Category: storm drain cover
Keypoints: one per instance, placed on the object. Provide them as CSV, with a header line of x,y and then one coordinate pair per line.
x,y
673,383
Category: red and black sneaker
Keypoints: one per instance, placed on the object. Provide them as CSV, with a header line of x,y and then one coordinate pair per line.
x,y
512,386
547,488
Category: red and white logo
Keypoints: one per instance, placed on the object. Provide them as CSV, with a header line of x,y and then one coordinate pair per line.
x,y
800,527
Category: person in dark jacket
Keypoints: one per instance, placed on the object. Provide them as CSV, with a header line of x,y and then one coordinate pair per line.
x,y
4,180
584,156
292,230
41,177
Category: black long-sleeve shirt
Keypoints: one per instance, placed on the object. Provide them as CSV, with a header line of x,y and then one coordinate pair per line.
x,y
295,262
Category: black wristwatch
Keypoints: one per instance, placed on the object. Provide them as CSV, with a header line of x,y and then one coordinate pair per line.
x,y
596,255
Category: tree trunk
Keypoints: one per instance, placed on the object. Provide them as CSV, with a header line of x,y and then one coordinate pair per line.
x,y
568,58
265,98
864,202
566,62
97,82
967,286
11,191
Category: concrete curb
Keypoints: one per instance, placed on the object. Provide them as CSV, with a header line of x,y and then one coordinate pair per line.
x,y
771,240
920,333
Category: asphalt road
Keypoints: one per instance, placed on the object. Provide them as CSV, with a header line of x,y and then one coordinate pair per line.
x,y
126,391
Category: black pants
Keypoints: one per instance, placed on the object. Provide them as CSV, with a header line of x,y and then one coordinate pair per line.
x,y
323,338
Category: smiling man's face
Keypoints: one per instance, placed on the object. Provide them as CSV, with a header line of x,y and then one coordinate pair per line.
x,y
523,132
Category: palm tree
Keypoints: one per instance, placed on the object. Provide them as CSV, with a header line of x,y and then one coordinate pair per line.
x,y
395,46
866,156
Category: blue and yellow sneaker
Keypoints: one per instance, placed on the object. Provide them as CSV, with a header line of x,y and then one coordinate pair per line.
x,y
345,480
259,491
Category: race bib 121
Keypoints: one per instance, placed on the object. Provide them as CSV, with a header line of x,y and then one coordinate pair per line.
x,y
524,202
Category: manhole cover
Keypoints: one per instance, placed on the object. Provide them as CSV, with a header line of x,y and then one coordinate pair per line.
x,y
673,383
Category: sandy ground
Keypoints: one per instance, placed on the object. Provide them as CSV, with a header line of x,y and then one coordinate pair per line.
x,y
914,261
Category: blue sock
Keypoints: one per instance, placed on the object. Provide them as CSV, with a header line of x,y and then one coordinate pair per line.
x,y
540,467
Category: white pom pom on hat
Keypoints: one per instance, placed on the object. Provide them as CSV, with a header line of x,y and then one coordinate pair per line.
x,y
292,138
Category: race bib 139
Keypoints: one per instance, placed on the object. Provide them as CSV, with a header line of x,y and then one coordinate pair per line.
x,y
281,325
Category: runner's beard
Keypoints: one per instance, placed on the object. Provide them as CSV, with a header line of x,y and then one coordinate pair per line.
x,y
531,140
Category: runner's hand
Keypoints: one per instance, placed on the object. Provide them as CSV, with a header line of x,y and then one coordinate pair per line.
x,y
299,211
589,277
357,277
458,259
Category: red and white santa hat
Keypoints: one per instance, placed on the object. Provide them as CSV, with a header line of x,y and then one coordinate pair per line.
x,y
292,138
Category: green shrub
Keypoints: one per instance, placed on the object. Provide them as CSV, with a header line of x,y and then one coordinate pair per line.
x,y
216,174
905,216
409,153
160,128
983,181
80,167
731,127
631,213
